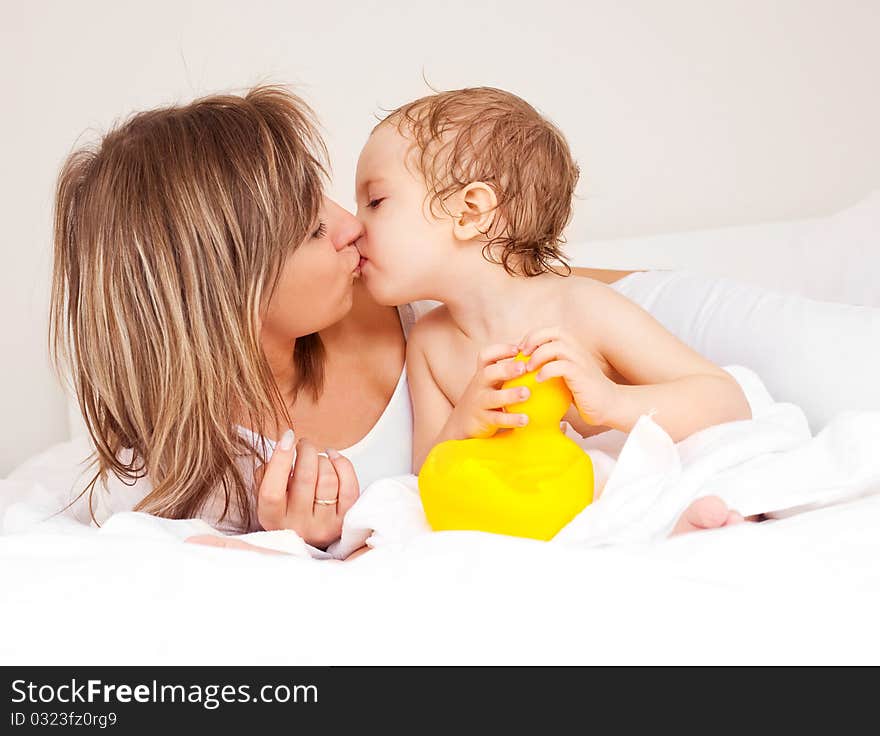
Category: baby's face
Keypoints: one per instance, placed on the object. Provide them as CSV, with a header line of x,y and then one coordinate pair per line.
x,y
403,241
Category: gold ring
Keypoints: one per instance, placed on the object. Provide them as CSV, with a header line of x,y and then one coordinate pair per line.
x,y
325,502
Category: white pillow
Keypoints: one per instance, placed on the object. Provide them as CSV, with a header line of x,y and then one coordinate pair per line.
x,y
834,258
840,255
822,356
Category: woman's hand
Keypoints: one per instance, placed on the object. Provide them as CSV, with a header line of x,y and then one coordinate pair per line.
x,y
595,396
310,496
478,413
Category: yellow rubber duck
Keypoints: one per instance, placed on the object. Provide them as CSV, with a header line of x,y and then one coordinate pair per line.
x,y
524,482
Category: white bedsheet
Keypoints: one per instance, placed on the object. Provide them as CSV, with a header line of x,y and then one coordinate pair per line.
x,y
610,589
801,590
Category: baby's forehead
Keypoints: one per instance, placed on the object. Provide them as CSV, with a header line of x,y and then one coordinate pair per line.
x,y
386,150
387,139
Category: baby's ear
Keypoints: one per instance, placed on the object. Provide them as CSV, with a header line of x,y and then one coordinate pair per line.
x,y
477,203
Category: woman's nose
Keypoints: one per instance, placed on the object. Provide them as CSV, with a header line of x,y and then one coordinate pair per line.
x,y
347,229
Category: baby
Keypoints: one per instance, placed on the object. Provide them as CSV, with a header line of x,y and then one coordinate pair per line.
x,y
464,196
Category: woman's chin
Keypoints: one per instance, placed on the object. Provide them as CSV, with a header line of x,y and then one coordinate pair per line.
x,y
345,301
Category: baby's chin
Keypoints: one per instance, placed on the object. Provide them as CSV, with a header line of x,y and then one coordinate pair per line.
x,y
383,290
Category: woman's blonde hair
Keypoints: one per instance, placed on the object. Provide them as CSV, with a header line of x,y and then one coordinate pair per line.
x,y
169,238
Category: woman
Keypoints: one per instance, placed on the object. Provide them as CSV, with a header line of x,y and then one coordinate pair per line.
x,y
196,261
205,301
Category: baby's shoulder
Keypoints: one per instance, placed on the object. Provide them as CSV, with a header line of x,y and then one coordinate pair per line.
x,y
586,296
432,330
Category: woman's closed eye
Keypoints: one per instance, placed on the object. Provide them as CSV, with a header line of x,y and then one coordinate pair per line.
x,y
319,231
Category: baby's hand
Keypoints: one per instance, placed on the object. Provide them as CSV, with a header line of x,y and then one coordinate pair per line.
x,y
478,413
595,395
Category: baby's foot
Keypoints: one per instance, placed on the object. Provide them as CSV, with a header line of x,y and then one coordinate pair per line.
x,y
708,512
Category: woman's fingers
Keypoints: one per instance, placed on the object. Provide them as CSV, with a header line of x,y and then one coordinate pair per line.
x,y
349,489
312,498
316,493
272,493
327,487
304,480
326,524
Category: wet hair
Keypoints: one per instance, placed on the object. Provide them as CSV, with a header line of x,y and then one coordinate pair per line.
x,y
489,135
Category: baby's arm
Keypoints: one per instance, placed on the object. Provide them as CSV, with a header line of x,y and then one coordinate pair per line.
x,y
431,408
685,391
478,410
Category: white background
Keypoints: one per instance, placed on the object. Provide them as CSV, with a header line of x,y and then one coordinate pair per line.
x,y
683,114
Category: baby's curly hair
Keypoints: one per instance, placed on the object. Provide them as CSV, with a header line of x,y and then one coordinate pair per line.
x,y
489,135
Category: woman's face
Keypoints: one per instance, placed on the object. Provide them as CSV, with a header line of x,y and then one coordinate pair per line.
x,y
314,288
